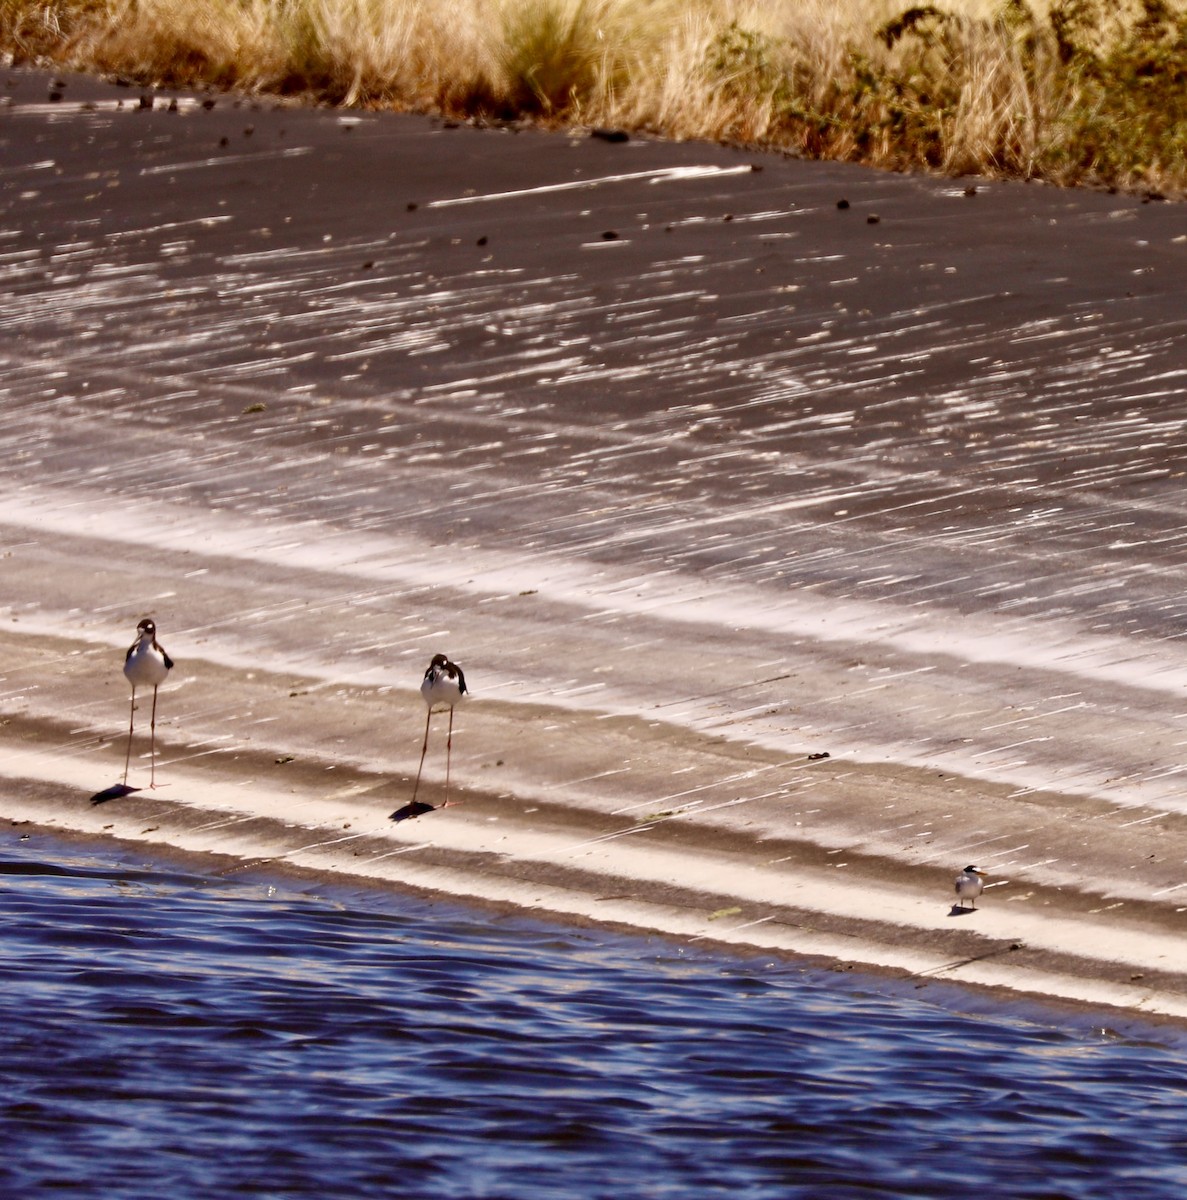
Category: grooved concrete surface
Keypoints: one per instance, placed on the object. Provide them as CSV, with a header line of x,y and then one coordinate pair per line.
x,y
805,533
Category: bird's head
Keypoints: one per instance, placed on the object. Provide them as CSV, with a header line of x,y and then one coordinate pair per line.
x,y
971,870
147,626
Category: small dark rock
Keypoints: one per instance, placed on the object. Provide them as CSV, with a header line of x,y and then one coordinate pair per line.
x,y
610,135
145,101
816,757
873,219
842,204
610,235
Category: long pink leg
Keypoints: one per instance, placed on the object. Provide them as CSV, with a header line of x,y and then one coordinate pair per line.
x,y
415,786
131,723
152,778
448,755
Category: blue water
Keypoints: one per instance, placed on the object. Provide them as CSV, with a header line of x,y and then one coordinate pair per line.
x,y
173,1035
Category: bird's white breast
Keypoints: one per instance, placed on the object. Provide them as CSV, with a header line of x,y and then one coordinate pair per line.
x,y
440,691
145,667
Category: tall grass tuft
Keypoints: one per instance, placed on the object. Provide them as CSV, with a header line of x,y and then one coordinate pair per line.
x,y
551,54
1073,91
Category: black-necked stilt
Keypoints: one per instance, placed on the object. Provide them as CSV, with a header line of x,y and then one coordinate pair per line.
x,y
442,687
146,664
969,885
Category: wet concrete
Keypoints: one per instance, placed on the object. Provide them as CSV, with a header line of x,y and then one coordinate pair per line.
x,y
704,464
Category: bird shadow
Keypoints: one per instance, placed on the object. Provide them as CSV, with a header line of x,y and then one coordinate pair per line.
x,y
959,910
414,808
116,792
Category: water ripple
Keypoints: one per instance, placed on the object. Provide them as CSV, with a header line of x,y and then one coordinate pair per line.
x,y
168,1034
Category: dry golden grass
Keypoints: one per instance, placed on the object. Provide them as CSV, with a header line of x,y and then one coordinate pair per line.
x,y
1068,90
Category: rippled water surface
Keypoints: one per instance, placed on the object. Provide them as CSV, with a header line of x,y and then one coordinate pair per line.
x,y
175,1035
